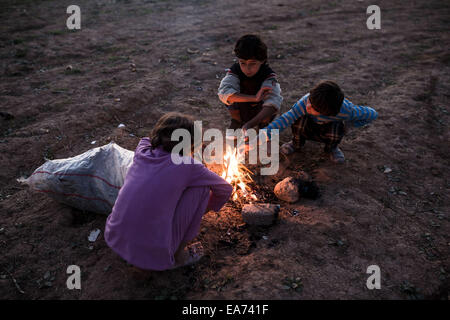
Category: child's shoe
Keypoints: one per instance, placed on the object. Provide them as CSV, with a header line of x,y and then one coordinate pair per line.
x,y
191,254
336,155
288,148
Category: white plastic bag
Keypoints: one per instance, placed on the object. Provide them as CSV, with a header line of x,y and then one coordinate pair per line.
x,y
90,181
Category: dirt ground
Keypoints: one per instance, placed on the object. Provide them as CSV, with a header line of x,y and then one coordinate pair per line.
x,y
398,220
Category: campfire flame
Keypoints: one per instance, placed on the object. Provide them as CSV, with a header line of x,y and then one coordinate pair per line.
x,y
237,175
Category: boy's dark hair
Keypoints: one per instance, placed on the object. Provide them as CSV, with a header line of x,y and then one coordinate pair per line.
x,y
166,125
326,97
250,47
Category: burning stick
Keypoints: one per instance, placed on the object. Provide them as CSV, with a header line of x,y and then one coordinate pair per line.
x,y
237,175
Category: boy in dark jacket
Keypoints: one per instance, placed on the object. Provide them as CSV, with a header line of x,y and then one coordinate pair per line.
x,y
250,88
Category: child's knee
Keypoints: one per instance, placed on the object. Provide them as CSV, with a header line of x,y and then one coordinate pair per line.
x,y
235,114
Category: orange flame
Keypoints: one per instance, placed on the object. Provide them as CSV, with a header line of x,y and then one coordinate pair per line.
x,y
237,175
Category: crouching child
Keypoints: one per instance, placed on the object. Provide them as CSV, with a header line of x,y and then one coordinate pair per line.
x,y
160,206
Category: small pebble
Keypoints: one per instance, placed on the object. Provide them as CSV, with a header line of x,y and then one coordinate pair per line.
x,y
94,235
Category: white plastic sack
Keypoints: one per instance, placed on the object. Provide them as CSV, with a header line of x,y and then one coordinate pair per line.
x,y
90,181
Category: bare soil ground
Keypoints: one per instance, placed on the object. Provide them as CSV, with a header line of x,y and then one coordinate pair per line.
x,y
398,220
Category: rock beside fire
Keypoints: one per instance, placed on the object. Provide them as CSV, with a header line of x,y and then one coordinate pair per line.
x,y
287,190
260,214
291,190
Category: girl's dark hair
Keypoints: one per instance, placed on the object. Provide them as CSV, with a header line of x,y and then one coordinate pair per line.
x,y
326,97
250,47
166,125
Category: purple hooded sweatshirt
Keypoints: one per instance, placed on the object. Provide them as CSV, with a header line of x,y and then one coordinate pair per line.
x,y
140,225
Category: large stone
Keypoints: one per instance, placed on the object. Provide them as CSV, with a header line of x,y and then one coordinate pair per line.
x,y
287,190
260,214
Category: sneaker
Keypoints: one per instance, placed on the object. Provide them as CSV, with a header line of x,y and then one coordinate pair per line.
x,y
288,148
336,155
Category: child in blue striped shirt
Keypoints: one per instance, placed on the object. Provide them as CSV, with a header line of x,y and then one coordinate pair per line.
x,y
319,116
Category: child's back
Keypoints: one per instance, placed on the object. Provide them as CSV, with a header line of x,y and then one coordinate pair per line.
x,y
150,218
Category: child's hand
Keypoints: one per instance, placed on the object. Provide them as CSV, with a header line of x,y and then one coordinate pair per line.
x,y
263,93
249,145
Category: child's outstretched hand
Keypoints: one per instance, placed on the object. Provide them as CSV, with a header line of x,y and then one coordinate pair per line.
x,y
263,93
248,144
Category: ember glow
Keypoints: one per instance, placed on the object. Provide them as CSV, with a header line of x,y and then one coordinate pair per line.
x,y
237,175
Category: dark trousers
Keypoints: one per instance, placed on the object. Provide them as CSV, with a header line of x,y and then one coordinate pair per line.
x,y
305,128
246,111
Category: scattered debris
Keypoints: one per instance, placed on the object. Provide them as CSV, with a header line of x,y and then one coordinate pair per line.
x,y
433,224
15,282
384,169
337,243
295,284
94,235
121,125
117,99
262,214
94,142
190,51
411,291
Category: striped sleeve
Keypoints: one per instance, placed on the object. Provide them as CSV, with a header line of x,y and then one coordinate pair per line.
x,y
287,118
360,115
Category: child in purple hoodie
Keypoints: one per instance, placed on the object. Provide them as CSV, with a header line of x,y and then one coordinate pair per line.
x,y
160,206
